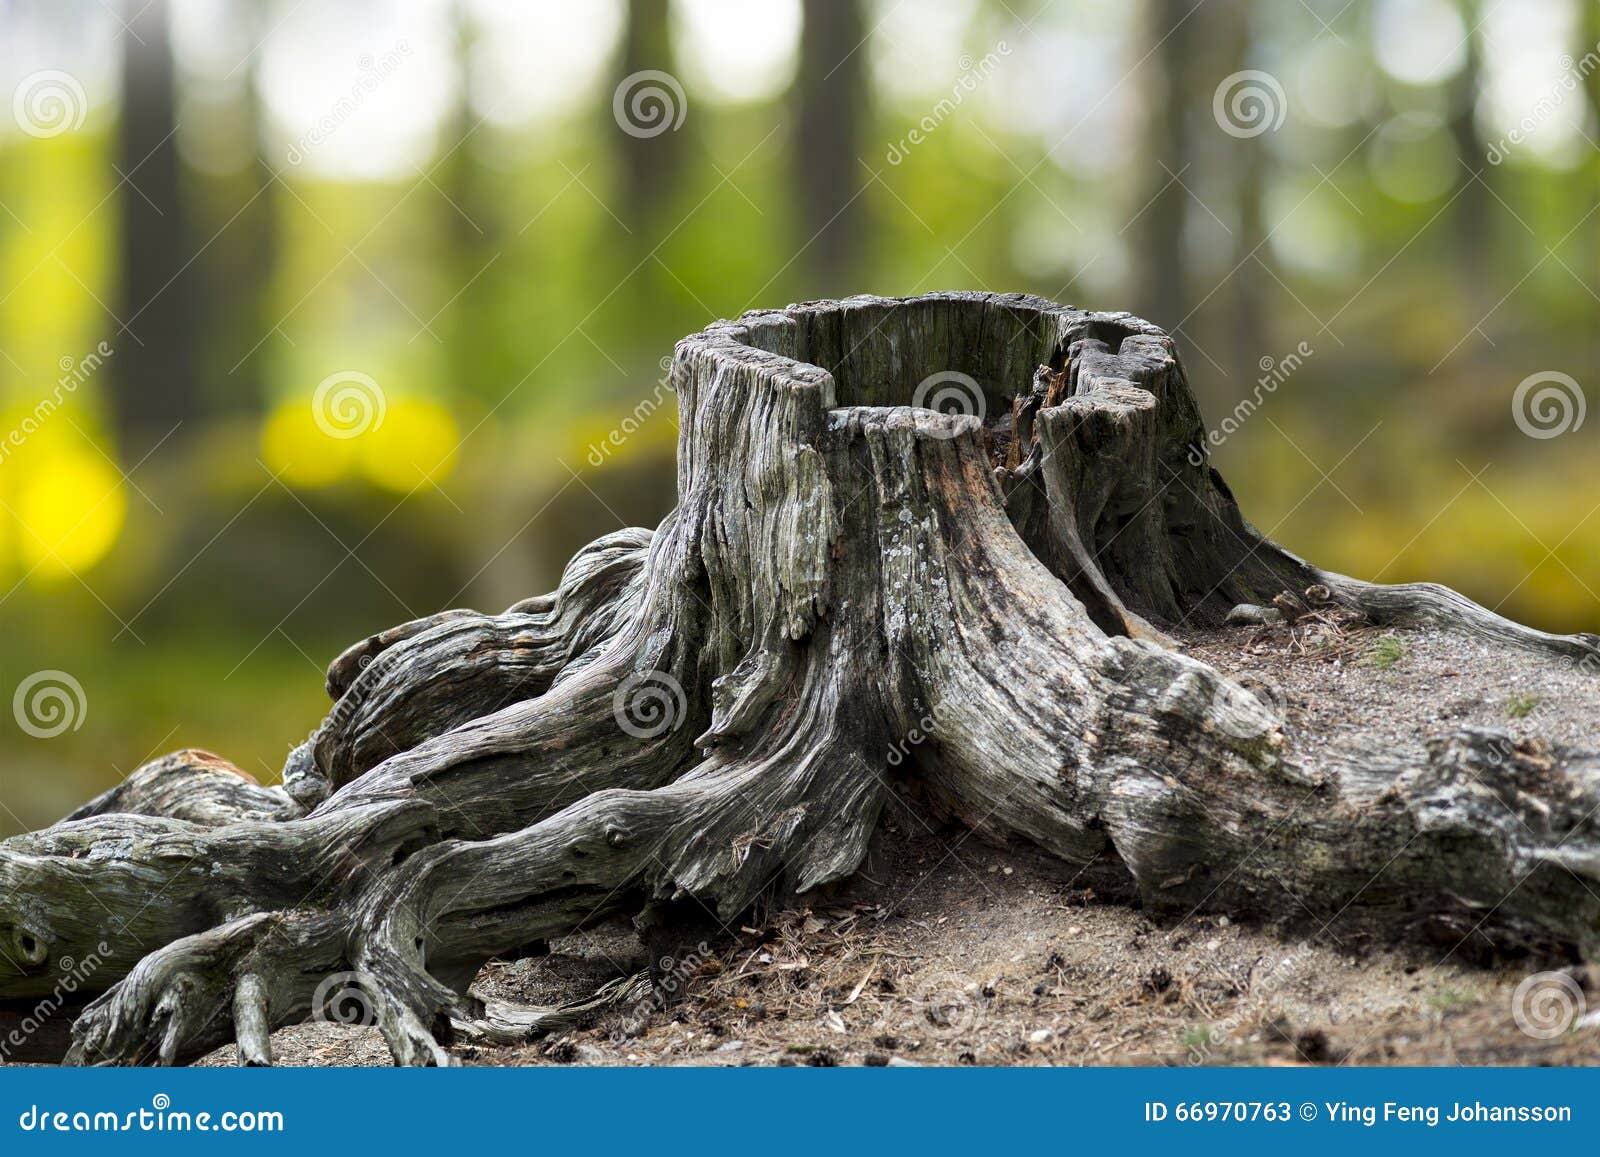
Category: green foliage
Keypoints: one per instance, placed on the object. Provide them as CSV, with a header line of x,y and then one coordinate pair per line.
x,y
1520,704
1385,652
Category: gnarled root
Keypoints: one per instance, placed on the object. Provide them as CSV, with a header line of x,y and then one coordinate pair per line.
x,y
789,811
195,786
419,680
855,585
235,982
96,895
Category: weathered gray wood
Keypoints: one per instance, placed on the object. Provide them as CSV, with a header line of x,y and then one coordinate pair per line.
x,y
851,587
192,785
461,665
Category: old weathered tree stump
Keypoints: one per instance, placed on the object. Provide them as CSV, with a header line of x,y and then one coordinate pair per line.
x,y
706,713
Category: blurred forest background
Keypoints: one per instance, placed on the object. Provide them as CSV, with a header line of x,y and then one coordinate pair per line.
x,y
211,210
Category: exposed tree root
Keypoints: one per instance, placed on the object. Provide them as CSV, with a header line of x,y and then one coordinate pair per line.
x,y
855,584
196,786
459,666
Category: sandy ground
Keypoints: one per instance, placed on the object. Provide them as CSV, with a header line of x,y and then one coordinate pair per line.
x,y
1400,688
944,951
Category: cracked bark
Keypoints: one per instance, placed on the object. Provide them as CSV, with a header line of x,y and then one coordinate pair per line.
x,y
711,713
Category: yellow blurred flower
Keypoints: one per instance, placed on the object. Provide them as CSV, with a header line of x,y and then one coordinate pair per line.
x,y
414,442
72,507
294,446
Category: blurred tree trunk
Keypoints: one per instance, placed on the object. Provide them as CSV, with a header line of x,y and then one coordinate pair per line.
x,y
1589,29
1159,294
478,353
649,161
830,106
1474,220
1251,331
1250,339
649,124
475,232
155,363
240,211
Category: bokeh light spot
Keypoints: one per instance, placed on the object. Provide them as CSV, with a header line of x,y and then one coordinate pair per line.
x,y
72,507
415,445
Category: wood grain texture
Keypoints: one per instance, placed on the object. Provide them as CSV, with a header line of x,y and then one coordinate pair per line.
x,y
861,582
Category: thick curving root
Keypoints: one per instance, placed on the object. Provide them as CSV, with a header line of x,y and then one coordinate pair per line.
x,y
197,786
946,536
